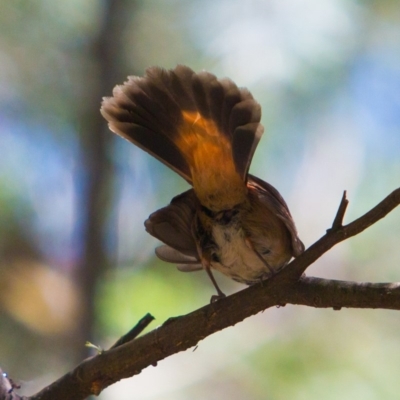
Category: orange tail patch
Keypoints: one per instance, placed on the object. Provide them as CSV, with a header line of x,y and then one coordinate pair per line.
x,y
209,155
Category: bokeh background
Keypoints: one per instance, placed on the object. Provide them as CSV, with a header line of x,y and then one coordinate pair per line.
x,y
75,261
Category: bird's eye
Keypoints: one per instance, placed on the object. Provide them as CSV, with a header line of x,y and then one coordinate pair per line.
x,y
265,251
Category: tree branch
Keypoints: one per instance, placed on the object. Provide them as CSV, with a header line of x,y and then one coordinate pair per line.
x,y
339,233
288,286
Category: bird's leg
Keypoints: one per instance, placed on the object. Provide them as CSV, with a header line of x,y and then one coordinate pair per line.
x,y
220,294
249,244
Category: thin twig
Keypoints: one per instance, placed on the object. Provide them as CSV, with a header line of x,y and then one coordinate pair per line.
x,y
135,331
338,221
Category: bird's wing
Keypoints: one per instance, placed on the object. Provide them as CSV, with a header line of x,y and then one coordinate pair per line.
x,y
173,226
184,263
278,206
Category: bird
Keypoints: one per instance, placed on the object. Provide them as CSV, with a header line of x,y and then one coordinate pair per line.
x,y
206,130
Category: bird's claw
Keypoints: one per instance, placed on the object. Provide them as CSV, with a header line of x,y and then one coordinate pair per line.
x,y
216,297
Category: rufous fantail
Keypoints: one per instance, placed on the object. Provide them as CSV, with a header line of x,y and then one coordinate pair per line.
x,y
206,130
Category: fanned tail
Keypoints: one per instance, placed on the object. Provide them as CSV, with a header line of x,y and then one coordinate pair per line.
x,y
206,129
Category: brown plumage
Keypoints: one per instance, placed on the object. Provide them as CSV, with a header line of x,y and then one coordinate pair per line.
x,y
206,129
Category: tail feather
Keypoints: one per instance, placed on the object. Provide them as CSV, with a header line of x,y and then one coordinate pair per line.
x,y
144,120
203,128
